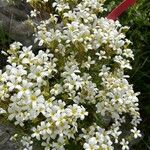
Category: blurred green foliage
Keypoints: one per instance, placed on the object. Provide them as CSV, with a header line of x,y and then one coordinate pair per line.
x,y
4,37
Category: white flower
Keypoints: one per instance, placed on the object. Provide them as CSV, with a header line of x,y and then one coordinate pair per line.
x,y
13,85
15,45
14,137
124,144
136,132
36,98
101,55
36,133
58,145
57,89
27,142
128,53
2,111
47,145
26,52
24,89
115,133
34,13
88,63
45,1
104,71
91,145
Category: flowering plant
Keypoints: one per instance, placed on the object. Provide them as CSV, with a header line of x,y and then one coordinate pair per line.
x,y
74,90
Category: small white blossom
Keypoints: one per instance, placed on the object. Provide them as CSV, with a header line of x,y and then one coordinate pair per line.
x,y
27,143
34,13
2,111
136,132
124,144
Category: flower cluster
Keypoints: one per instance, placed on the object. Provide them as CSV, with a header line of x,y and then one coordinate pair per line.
x,y
74,88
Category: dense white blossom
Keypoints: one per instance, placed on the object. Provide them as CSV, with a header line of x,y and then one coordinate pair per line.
x,y
27,142
74,87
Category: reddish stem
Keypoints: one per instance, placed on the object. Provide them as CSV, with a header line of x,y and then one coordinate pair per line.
x,y
120,9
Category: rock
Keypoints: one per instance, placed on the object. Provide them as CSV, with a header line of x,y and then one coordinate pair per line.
x,y
13,20
5,134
